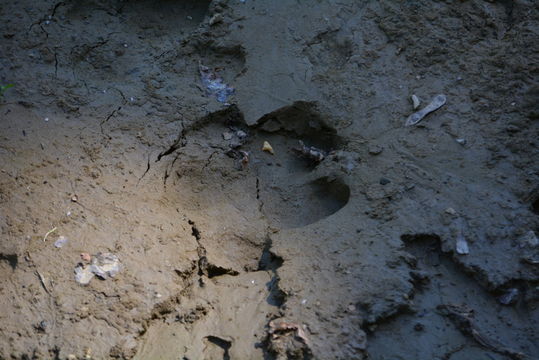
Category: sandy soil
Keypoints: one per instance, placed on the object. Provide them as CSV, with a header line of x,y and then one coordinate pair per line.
x,y
111,139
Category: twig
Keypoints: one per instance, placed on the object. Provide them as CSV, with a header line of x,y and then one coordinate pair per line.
x,y
48,233
42,279
463,318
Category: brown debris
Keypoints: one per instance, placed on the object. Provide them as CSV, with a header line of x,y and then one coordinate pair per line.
x,y
86,257
245,158
309,152
288,339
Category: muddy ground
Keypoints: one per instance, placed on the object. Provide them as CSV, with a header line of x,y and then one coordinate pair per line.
x,y
110,138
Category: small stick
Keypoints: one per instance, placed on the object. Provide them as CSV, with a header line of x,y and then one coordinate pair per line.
x,y
48,233
42,279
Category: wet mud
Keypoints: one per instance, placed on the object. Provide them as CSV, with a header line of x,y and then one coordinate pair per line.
x,y
139,128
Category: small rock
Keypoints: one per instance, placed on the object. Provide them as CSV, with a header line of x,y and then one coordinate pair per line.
x,y
83,312
86,257
451,211
512,129
420,277
42,326
409,186
415,101
384,181
461,141
235,144
216,19
227,136
241,134
510,297
375,150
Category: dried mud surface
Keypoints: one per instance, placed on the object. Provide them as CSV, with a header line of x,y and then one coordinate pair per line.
x,y
109,137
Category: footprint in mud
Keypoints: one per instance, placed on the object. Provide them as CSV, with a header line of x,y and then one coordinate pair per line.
x,y
452,317
290,195
218,169
110,52
299,204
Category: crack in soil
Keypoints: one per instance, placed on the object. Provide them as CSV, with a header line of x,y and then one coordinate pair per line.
x,y
112,114
145,171
201,252
55,64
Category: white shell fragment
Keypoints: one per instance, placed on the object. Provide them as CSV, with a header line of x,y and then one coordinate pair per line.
x,y
83,275
216,19
510,297
462,245
267,148
104,265
415,102
435,104
62,240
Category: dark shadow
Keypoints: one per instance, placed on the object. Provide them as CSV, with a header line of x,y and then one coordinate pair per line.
x,y
214,271
12,259
271,262
298,205
302,120
222,343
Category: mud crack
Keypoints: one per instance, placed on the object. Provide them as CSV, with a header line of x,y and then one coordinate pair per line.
x,y
260,202
208,161
145,171
55,64
112,114
201,250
